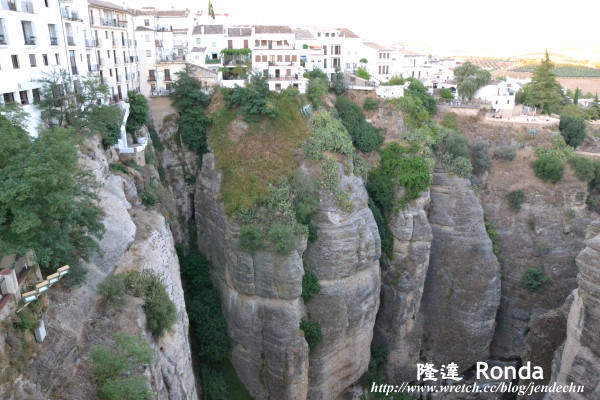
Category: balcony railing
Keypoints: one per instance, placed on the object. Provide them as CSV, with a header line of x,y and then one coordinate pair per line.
x,y
53,41
101,62
70,40
118,78
70,15
27,6
90,42
168,78
30,40
133,58
9,5
115,42
152,78
114,23
2,39
117,60
170,58
126,42
92,67
131,76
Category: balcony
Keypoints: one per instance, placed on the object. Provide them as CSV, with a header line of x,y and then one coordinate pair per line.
x,y
9,5
152,78
53,41
101,62
92,67
117,61
126,42
169,58
70,15
133,58
130,76
2,39
168,78
27,7
90,43
114,23
115,42
70,40
30,41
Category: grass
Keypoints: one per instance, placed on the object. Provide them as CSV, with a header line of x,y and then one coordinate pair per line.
x,y
262,154
565,70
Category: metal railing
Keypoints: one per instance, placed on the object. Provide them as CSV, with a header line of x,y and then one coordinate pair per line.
x,y
92,67
90,42
2,39
27,6
70,15
115,42
70,40
168,77
133,58
9,5
117,60
152,78
171,58
130,76
30,41
53,41
101,62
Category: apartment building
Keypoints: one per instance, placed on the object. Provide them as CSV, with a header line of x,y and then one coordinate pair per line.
x,y
312,54
112,32
206,42
274,53
31,45
380,61
342,48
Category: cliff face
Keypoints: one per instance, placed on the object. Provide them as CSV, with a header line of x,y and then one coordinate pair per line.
x,y
77,319
578,360
345,259
462,289
261,296
398,327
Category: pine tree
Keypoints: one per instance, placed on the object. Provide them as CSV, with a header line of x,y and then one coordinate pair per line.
x,y
546,92
211,11
576,96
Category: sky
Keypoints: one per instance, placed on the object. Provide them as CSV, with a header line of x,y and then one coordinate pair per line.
x,y
508,27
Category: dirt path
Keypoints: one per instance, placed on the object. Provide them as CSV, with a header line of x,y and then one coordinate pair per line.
x,y
588,154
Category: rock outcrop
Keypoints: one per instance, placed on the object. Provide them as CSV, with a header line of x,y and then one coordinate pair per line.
x,y
345,259
398,328
260,299
578,359
462,288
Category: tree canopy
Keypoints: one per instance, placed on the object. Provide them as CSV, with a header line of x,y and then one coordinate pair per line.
x,y
138,111
544,91
469,78
47,199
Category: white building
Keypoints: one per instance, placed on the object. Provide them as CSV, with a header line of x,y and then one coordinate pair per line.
x,y
341,48
501,95
380,61
206,43
312,53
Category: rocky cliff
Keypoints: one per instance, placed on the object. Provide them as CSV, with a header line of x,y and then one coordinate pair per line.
x,y
578,359
462,288
76,319
262,303
398,328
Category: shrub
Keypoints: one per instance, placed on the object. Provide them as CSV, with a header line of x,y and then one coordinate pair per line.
x,y
306,199
396,80
149,196
449,121
161,313
254,100
328,135
414,111
572,129
310,286
515,199
118,168
370,104
113,289
193,128
214,386
338,84
456,145
460,166
27,321
362,73
481,159
106,120
584,168
316,88
446,94
134,388
549,167
251,239
505,153
534,278
138,111
312,332
283,237
365,136
494,236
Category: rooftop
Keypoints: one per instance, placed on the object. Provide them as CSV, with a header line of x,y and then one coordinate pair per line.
x,y
377,46
272,29
208,30
303,34
106,4
239,31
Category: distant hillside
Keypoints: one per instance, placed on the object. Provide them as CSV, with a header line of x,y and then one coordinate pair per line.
x,y
565,70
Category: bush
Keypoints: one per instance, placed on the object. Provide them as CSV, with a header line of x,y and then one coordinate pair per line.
x,y
338,84
214,386
515,199
328,135
312,332
283,237
135,388
370,104
365,136
310,286
362,73
414,111
113,289
446,94
481,159
456,145
138,111
118,168
396,80
584,168
449,121
316,88
549,167
161,313
27,321
148,196
572,129
254,100
534,278
193,128
460,166
106,120
505,153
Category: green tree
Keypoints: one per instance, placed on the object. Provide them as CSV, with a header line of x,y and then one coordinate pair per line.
x,y
545,92
316,88
106,120
572,128
446,94
362,73
469,78
15,114
47,199
576,96
418,90
138,111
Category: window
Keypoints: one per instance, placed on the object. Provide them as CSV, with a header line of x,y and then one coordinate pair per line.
x,y
108,53
32,60
214,44
47,3
230,44
147,38
45,59
278,86
106,34
28,32
36,95
257,58
294,58
24,97
264,58
279,58
57,59
198,40
167,74
15,61
146,22
9,97
110,71
148,53
2,32
287,58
